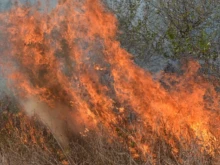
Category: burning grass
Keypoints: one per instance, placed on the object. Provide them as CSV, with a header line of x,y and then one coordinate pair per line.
x,y
25,140
66,68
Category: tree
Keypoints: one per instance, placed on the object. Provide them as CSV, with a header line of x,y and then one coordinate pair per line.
x,y
190,26
136,33
171,28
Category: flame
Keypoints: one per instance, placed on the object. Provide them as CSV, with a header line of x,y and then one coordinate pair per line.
x,y
67,66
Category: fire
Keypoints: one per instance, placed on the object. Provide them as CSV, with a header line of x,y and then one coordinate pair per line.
x,y
67,65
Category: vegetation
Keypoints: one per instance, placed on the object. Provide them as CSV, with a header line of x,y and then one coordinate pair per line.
x,y
174,29
26,141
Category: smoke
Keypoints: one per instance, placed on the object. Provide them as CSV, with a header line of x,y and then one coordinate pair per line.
x,y
51,118
66,67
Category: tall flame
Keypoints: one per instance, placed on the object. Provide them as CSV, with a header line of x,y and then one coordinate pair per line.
x,y
66,65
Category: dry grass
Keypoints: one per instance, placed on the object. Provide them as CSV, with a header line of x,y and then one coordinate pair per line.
x,y
25,141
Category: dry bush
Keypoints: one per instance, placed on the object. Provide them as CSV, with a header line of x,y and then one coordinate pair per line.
x,y
25,141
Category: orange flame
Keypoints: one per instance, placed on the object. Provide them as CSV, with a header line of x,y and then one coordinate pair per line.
x,y
69,59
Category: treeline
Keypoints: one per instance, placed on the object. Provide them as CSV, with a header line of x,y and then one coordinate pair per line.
x,y
171,29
